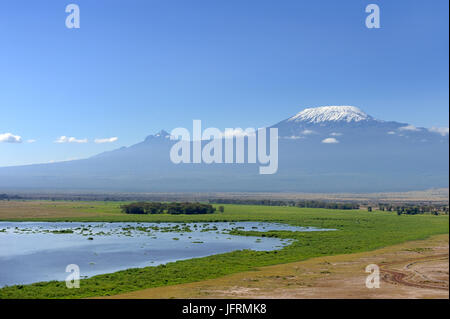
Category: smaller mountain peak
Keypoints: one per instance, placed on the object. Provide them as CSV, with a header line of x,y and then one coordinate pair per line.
x,y
160,134
335,113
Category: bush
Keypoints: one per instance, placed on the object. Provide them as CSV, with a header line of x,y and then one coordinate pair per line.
x,y
167,208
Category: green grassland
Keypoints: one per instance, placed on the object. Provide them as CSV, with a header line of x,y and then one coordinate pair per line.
x,y
358,231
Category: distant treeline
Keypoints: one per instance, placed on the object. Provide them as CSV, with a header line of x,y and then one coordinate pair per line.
x,y
8,197
168,208
301,203
414,209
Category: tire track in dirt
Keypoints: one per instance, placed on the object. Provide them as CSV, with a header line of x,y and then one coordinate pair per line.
x,y
405,277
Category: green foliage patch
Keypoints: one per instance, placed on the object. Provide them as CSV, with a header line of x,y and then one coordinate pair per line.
x,y
357,231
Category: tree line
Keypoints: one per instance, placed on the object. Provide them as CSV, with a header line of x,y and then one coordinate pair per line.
x,y
168,208
298,203
415,209
8,197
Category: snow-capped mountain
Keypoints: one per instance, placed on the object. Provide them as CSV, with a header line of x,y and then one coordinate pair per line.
x,y
323,114
322,149
352,125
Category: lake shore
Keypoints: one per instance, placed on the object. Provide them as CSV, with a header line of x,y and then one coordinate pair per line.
x,y
416,269
358,231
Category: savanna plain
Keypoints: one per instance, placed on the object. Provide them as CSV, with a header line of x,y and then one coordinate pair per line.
x,y
411,250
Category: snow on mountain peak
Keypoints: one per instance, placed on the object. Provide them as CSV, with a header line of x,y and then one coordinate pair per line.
x,y
162,133
331,114
159,135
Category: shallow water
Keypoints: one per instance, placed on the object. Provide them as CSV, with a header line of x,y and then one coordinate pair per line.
x,y
40,251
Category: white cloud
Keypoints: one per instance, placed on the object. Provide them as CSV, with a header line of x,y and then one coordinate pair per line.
x,y
336,134
293,137
63,160
391,132
409,128
65,139
238,132
10,138
330,140
31,141
105,140
308,132
440,130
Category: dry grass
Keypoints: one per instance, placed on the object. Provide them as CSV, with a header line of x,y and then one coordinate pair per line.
x,y
424,264
49,209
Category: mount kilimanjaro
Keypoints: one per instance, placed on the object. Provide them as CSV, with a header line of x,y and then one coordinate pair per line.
x,y
322,149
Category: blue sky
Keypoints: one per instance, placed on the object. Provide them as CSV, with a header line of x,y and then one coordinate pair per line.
x,y
135,67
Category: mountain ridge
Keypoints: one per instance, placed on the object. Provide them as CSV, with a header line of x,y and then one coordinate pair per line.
x,y
365,155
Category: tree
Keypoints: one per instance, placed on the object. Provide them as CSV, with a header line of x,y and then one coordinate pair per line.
x,y
168,208
221,209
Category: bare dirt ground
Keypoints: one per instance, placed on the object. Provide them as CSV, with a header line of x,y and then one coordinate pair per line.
x,y
418,269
